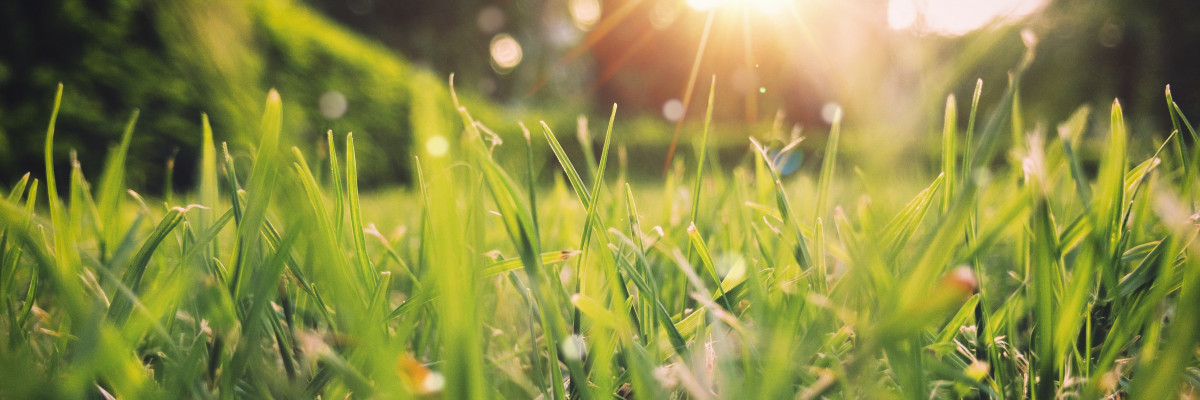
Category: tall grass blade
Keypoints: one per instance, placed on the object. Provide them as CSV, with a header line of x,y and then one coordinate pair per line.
x,y
263,177
828,165
950,152
111,188
366,272
702,153
209,194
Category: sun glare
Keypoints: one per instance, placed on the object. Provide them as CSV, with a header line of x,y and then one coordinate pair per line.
x,y
766,6
955,17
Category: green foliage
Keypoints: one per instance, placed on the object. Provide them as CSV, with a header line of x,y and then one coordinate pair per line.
x,y
1014,278
174,60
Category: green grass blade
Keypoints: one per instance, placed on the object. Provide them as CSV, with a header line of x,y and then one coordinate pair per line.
x,y
649,285
702,153
821,275
1046,269
592,218
950,152
66,260
1161,378
901,228
18,189
208,190
828,165
335,173
262,181
596,312
513,264
112,182
970,135
132,277
573,176
706,258
1110,193
952,328
800,251
365,269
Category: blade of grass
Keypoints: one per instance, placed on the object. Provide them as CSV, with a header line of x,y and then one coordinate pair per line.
x,y
712,89
513,264
209,193
1111,194
706,258
800,251
111,189
262,184
828,165
132,277
66,260
650,285
365,270
1161,378
335,173
950,152
967,148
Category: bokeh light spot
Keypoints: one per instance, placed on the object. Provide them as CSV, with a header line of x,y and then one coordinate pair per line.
x,y
332,104
437,146
672,110
830,112
506,53
585,13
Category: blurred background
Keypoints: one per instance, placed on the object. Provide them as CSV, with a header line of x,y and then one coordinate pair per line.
x,y
353,65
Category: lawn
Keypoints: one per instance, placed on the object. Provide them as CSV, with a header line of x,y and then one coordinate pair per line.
x,y
1027,264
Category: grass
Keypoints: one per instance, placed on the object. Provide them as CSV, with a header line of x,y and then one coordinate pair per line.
x,y
1024,269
